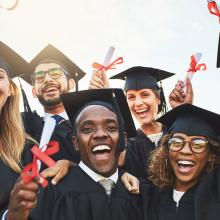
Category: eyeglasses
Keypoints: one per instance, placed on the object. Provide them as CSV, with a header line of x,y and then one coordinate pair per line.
x,y
54,73
197,145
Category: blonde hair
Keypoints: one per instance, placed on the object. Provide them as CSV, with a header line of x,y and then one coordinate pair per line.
x,y
12,135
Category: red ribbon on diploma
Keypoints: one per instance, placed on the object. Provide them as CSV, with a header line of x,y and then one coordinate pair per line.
x,y
213,9
110,66
31,170
194,67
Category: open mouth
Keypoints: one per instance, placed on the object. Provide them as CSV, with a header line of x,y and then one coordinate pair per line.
x,y
185,166
142,113
101,152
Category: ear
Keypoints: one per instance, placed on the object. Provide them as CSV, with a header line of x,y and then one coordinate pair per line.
x,y
72,85
75,143
34,92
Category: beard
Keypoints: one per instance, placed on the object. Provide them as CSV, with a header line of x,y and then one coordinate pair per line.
x,y
52,101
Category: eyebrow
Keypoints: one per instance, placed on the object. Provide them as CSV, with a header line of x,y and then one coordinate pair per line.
x,y
91,122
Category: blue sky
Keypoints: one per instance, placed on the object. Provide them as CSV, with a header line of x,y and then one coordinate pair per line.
x,y
157,33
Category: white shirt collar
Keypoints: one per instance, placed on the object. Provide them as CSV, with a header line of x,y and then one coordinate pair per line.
x,y
63,114
97,177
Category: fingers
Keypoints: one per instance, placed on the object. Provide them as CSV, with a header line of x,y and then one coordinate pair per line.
x,y
23,197
58,171
96,81
59,176
131,183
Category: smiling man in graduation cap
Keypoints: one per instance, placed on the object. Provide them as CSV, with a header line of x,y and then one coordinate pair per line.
x,y
53,74
93,190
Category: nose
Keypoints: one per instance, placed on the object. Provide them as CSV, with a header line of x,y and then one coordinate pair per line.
x,y
138,100
47,78
186,148
100,133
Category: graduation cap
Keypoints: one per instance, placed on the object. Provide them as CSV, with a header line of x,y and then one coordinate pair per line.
x,y
192,120
54,55
140,77
11,62
74,102
218,56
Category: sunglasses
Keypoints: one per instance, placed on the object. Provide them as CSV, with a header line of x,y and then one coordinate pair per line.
x,y
197,145
54,73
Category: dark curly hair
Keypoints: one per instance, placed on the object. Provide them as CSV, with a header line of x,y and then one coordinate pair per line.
x,y
159,168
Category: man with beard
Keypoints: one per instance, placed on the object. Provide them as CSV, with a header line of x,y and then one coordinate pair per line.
x,y
53,74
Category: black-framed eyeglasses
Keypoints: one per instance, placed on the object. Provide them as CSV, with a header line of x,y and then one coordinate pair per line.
x,y
54,73
197,145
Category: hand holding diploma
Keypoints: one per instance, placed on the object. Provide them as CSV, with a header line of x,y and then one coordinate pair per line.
x,y
99,79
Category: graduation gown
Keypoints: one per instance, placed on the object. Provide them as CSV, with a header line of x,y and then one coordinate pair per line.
x,y
62,133
137,152
78,197
200,202
8,178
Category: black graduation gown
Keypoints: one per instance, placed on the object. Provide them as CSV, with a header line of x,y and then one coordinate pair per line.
x,y
62,133
8,178
78,197
200,202
137,152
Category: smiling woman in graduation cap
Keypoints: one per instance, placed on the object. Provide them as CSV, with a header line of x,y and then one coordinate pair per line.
x,y
12,136
185,168
146,100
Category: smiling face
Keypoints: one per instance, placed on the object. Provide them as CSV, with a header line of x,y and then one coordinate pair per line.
x,y
187,165
143,105
97,139
5,89
49,91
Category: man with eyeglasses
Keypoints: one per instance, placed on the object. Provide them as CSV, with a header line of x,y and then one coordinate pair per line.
x,y
53,74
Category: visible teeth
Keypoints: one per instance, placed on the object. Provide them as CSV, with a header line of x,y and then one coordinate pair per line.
x,y
185,162
142,110
101,147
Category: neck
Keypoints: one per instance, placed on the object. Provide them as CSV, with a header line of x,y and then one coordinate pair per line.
x,y
151,128
54,109
183,187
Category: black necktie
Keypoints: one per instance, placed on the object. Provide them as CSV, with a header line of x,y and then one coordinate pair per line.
x,y
57,118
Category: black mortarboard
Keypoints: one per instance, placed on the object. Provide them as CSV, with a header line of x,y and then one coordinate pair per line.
x,y
11,62
140,77
192,120
53,54
218,56
75,101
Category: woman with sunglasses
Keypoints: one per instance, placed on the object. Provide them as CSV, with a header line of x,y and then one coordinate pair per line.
x,y
185,169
